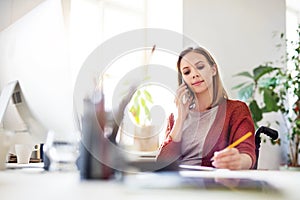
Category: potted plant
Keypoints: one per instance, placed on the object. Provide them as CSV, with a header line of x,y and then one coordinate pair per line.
x,y
145,138
271,88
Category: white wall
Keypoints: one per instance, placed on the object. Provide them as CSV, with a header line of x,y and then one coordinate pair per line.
x,y
33,50
240,34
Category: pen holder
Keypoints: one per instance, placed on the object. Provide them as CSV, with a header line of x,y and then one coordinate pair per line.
x,y
94,153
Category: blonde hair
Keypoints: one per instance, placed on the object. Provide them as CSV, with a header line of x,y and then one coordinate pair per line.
x,y
219,93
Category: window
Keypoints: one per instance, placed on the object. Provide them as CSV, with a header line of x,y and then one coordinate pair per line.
x,y
94,21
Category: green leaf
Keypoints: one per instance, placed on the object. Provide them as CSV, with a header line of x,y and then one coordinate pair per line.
x,y
148,96
267,82
137,116
246,92
133,111
143,102
139,108
261,71
297,122
246,74
255,111
137,119
270,101
239,86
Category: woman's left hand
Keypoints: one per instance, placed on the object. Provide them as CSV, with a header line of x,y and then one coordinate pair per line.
x,y
229,158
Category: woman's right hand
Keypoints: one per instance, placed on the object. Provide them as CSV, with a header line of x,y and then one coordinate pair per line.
x,y
183,101
183,109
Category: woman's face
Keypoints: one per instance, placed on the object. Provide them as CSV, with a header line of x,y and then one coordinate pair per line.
x,y
197,72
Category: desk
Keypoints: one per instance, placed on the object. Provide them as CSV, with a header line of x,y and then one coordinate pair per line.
x,y
34,183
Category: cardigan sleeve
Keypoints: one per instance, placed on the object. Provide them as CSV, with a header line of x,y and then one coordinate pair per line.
x,y
169,150
241,123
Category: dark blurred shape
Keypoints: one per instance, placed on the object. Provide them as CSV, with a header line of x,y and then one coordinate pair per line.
x,y
153,166
93,148
273,134
100,156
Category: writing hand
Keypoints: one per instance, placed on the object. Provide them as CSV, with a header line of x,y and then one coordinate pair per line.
x,y
229,158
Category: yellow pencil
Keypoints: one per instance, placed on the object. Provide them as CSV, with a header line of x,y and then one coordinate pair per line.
x,y
241,139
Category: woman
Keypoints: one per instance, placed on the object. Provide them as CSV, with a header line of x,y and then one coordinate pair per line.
x,y
207,121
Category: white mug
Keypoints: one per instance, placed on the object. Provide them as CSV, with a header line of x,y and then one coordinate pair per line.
x,y
24,151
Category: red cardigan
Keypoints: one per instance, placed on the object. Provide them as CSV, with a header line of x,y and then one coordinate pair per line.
x,y
233,120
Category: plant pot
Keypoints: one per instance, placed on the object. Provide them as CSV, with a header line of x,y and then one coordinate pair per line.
x,y
146,138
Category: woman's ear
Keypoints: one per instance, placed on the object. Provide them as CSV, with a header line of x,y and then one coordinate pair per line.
x,y
214,69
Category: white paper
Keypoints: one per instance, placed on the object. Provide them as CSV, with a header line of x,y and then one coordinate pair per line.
x,y
197,167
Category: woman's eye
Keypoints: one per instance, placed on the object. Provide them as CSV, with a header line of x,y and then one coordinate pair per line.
x,y
200,67
186,72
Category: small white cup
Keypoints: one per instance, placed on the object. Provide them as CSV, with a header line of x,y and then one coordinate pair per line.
x,y
24,151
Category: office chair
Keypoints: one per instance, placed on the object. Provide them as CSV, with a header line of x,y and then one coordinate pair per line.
x,y
273,134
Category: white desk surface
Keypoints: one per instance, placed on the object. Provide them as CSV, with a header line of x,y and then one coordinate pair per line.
x,y
34,183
